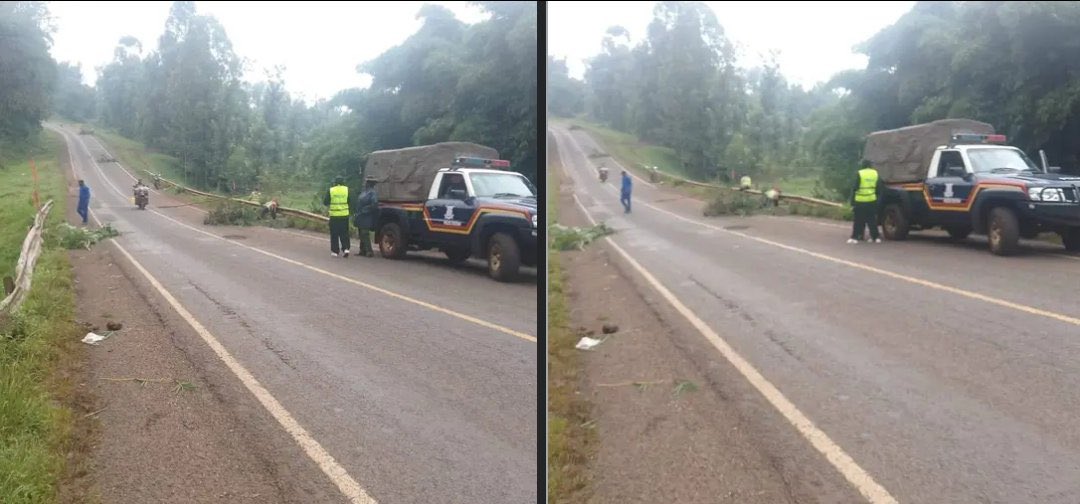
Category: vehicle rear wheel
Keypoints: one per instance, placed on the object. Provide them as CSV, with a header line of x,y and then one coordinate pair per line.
x,y
1071,239
391,241
958,232
504,257
895,224
1004,232
456,255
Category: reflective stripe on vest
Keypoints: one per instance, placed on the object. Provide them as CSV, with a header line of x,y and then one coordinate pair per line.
x,y
339,201
867,192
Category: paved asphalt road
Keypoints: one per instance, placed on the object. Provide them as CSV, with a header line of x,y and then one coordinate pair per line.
x,y
946,373
416,404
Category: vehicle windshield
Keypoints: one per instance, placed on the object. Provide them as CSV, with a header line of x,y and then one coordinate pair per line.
x,y
1001,160
501,185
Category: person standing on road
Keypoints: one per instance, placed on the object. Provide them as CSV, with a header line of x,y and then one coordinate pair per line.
x,y
84,201
627,187
864,202
367,212
337,198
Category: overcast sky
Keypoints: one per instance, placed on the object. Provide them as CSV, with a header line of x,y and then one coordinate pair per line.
x,y
814,39
319,43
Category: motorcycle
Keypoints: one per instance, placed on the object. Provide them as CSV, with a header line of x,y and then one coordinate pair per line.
x,y
142,197
603,175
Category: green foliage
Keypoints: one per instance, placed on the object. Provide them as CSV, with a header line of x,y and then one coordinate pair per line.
x,y
229,213
565,95
1012,64
72,99
735,203
27,71
449,81
72,238
575,238
35,426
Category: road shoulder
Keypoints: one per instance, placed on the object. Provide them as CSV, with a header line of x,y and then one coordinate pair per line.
x,y
160,431
667,430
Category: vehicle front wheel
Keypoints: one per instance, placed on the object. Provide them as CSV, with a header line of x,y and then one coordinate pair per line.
x,y
391,241
504,257
1004,232
1071,239
895,225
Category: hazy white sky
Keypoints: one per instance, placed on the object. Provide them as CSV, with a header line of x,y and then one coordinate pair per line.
x,y
319,43
814,39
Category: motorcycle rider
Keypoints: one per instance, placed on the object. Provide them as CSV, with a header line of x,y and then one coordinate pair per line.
x,y
140,188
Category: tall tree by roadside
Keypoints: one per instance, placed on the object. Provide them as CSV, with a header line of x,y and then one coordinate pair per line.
x,y
27,71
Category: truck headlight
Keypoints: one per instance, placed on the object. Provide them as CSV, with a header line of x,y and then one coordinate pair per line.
x,y
1050,194
534,220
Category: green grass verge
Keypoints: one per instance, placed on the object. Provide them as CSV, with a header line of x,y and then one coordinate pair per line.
x,y
137,157
35,426
632,153
629,151
570,440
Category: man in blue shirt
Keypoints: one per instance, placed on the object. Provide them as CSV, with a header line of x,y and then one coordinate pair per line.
x,y
627,186
84,201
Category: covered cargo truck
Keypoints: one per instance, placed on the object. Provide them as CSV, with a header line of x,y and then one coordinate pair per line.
x,y
458,198
956,174
902,155
406,174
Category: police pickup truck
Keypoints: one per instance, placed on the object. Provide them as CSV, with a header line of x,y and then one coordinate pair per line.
x,y
977,184
474,208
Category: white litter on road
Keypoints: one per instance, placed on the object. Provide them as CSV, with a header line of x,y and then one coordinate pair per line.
x,y
587,343
93,339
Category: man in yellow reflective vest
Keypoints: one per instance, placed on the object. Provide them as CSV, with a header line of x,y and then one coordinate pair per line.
x,y
864,202
337,198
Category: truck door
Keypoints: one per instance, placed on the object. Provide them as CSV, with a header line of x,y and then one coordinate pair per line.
x,y
950,190
450,213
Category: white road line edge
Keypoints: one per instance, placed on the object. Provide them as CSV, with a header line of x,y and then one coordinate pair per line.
x,y
402,297
856,475
337,474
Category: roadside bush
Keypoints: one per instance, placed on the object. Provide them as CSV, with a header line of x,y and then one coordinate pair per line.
x,y
231,214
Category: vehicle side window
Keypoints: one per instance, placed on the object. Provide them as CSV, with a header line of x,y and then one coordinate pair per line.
x,y
451,181
949,159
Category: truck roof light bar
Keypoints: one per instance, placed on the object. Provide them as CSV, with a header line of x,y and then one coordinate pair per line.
x,y
969,138
474,162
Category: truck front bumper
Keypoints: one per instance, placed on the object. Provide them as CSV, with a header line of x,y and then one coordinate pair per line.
x,y
1052,214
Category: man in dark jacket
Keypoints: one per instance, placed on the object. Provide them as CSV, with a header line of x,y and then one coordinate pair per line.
x,y
367,213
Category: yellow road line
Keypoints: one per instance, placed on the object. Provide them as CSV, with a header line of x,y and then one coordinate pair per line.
x,y
447,311
898,276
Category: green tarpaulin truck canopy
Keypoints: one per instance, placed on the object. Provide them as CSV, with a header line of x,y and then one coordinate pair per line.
x,y
406,174
903,154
